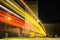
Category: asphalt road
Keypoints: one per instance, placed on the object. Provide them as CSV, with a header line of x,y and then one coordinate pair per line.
x,y
30,39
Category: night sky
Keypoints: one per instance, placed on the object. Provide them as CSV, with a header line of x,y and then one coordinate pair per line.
x,y
49,11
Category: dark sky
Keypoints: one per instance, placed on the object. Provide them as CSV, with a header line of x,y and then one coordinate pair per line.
x,y
49,11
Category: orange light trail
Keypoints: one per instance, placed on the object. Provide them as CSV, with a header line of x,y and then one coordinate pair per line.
x,y
26,24
6,18
10,22
13,17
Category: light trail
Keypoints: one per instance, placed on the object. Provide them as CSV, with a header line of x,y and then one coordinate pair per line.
x,y
12,19
5,20
30,10
21,22
28,17
11,12
12,2
26,6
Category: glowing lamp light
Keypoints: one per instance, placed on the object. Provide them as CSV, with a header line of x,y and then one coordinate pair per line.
x,y
9,18
38,20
